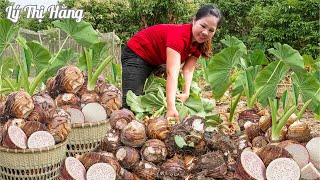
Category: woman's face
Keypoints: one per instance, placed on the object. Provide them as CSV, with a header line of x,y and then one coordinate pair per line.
x,y
203,29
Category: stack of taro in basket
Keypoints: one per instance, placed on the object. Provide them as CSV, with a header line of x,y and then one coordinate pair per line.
x,y
33,137
89,107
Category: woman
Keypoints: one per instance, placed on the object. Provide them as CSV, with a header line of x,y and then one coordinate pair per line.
x,y
171,45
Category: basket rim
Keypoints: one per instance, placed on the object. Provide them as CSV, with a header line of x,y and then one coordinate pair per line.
x,y
81,125
34,150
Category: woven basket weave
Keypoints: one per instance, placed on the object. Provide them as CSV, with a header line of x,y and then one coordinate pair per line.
x,y
86,137
35,164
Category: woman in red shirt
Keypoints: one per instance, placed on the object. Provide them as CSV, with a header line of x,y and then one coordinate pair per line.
x,y
172,45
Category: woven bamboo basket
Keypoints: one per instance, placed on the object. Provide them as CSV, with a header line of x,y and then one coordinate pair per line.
x,y
86,137
35,164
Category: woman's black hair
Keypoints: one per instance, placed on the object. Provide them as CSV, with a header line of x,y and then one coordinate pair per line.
x,y
206,10
209,9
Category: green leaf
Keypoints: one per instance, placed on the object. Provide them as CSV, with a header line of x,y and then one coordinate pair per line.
x,y
289,56
99,53
230,41
135,102
8,31
6,67
208,104
152,102
268,80
153,83
179,141
183,111
40,56
220,70
310,62
194,103
309,87
81,32
255,58
246,78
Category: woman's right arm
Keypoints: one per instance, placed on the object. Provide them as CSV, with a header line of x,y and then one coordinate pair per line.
x,y
173,68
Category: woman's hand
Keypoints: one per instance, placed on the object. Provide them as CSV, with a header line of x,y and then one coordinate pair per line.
x,y
173,113
183,97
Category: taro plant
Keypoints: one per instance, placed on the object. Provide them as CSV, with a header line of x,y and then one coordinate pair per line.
x,y
153,102
34,54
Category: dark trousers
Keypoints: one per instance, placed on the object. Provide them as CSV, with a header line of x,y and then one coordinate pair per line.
x,y
135,71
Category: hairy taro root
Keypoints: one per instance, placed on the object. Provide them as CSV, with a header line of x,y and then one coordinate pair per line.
x,y
250,166
299,131
110,101
128,157
158,128
173,168
30,127
247,115
60,128
68,100
111,142
44,108
72,168
271,152
154,150
134,134
19,105
146,170
120,118
14,138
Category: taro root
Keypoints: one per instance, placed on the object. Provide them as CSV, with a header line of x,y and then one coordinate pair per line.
x,y
265,123
19,105
111,142
44,108
173,168
68,80
52,91
40,139
252,131
76,115
112,88
293,118
271,152
146,170
154,150
313,147
299,131
158,128
283,168
211,164
89,97
68,100
101,171
310,172
99,85
282,135
127,175
30,127
110,101
259,141
90,158
191,130
14,138
250,166
60,128
72,168
216,141
299,153
120,118
128,157
134,134
247,115
98,115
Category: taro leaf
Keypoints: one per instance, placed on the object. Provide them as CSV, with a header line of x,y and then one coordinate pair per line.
x,y
179,141
195,88
268,80
220,70
153,101
308,86
316,74
82,32
183,111
233,41
8,32
153,83
246,78
289,56
40,56
194,103
6,67
255,57
310,62
135,102
208,104
65,56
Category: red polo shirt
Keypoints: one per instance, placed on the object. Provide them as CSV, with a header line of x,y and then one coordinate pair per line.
x,y
151,43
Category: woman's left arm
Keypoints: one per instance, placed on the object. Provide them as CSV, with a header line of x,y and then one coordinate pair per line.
x,y
187,71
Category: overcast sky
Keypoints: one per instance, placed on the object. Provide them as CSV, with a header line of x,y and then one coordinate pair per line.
x,y
46,3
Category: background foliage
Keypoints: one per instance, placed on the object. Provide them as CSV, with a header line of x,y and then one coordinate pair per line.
x,y
258,23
